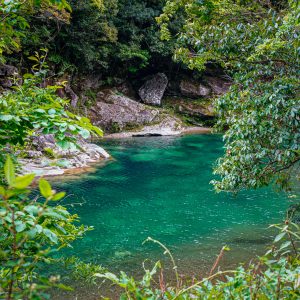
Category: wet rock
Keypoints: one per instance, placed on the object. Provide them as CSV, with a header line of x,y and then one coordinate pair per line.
x,y
194,89
42,141
153,89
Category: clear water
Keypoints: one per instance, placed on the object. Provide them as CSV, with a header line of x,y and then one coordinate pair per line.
x,y
159,187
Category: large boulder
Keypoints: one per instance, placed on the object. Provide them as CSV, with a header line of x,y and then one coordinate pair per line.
x,y
115,112
153,89
194,89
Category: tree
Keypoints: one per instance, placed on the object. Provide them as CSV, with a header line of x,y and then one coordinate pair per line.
x,y
257,43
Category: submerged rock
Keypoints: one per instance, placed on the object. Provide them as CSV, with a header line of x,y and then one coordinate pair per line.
x,y
153,89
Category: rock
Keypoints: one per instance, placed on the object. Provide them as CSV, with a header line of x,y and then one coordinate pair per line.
x,y
114,112
218,85
7,70
168,125
71,94
62,160
126,89
42,141
33,154
194,89
153,89
6,74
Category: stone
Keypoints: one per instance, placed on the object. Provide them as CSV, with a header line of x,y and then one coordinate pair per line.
x,y
6,74
218,85
63,160
153,89
126,89
71,94
194,89
168,126
114,112
33,154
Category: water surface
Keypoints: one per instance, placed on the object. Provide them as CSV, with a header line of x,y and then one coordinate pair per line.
x,y
160,187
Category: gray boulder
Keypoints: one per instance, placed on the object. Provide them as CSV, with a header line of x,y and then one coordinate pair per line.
x,y
114,112
153,89
194,89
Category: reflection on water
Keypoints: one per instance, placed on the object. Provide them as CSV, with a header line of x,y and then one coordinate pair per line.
x,y
159,187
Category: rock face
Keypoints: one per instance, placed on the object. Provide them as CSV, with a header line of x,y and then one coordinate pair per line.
x,y
114,112
57,161
153,89
194,89
218,85
197,112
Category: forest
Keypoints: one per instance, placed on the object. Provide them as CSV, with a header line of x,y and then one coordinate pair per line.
x,y
149,149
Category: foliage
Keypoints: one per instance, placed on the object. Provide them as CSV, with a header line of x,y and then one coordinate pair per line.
x,y
13,23
117,38
257,42
273,276
80,271
31,229
33,106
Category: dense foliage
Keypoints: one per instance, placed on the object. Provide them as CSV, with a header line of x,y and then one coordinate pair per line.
x,y
31,229
258,44
116,38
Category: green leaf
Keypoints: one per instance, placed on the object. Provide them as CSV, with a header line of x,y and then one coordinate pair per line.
x,y
45,188
51,111
58,196
20,227
23,182
6,117
51,235
279,237
84,133
9,171
2,191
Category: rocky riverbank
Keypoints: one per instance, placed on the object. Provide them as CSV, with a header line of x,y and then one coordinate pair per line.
x,y
152,106
47,159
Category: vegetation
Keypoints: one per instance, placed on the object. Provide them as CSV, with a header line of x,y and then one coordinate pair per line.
x,y
273,276
31,230
257,45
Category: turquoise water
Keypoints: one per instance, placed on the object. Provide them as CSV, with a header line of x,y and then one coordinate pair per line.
x,y
159,187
